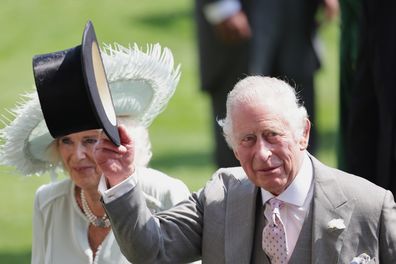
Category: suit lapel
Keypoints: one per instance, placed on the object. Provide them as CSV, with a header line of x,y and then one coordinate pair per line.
x,y
240,221
329,202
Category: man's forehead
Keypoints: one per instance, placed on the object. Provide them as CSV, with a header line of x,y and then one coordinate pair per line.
x,y
259,110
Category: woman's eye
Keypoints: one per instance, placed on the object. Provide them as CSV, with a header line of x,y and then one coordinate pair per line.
x,y
90,140
66,141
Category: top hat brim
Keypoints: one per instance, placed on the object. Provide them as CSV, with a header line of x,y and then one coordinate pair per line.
x,y
97,84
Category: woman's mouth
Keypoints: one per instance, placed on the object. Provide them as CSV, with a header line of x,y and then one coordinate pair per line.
x,y
82,168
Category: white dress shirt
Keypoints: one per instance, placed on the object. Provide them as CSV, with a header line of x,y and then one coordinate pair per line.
x,y
297,199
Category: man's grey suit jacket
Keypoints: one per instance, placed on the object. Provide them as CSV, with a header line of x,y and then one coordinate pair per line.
x,y
217,223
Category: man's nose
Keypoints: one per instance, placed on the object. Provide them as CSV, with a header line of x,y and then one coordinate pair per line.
x,y
263,149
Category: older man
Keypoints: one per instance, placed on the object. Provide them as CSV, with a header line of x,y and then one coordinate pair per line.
x,y
281,206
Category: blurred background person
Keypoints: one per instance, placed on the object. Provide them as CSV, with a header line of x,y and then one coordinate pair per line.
x,y
265,37
370,136
69,223
350,11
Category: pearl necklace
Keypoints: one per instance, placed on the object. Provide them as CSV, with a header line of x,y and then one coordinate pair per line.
x,y
102,222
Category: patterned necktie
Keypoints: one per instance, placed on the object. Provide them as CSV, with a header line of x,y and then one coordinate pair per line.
x,y
274,236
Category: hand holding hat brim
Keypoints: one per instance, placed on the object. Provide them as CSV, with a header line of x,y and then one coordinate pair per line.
x,y
116,162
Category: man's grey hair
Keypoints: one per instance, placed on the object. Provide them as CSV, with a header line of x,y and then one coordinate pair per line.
x,y
268,91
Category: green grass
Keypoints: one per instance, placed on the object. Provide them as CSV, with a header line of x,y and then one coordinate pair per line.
x,y
327,84
181,136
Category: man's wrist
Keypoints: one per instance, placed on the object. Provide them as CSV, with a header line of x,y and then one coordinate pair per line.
x,y
117,190
115,180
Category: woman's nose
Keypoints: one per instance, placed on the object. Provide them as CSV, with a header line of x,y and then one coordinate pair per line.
x,y
80,151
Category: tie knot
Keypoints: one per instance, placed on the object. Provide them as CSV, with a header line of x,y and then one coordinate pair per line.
x,y
275,204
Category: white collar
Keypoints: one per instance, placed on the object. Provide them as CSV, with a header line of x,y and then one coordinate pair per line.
x,y
298,190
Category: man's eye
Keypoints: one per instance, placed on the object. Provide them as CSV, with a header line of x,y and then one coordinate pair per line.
x,y
272,134
248,141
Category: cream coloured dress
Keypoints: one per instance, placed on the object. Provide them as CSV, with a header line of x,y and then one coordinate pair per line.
x,y
60,228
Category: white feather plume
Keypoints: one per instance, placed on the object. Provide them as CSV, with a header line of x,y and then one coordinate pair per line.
x,y
15,149
154,68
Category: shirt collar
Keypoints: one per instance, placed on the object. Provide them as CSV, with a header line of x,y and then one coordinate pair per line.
x,y
298,190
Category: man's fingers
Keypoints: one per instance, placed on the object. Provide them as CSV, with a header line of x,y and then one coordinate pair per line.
x,y
105,144
124,136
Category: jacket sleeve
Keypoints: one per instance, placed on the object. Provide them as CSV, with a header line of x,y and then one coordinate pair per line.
x,y
161,191
172,236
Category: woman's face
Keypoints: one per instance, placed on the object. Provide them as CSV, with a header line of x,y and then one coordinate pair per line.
x,y
76,151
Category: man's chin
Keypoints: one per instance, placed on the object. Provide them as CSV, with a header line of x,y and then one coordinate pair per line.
x,y
271,183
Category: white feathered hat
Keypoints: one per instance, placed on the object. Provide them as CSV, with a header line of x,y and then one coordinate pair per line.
x,y
141,85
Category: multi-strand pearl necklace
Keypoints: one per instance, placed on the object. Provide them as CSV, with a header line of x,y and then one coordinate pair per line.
x,y
102,222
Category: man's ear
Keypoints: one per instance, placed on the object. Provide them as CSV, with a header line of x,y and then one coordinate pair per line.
x,y
236,153
303,142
